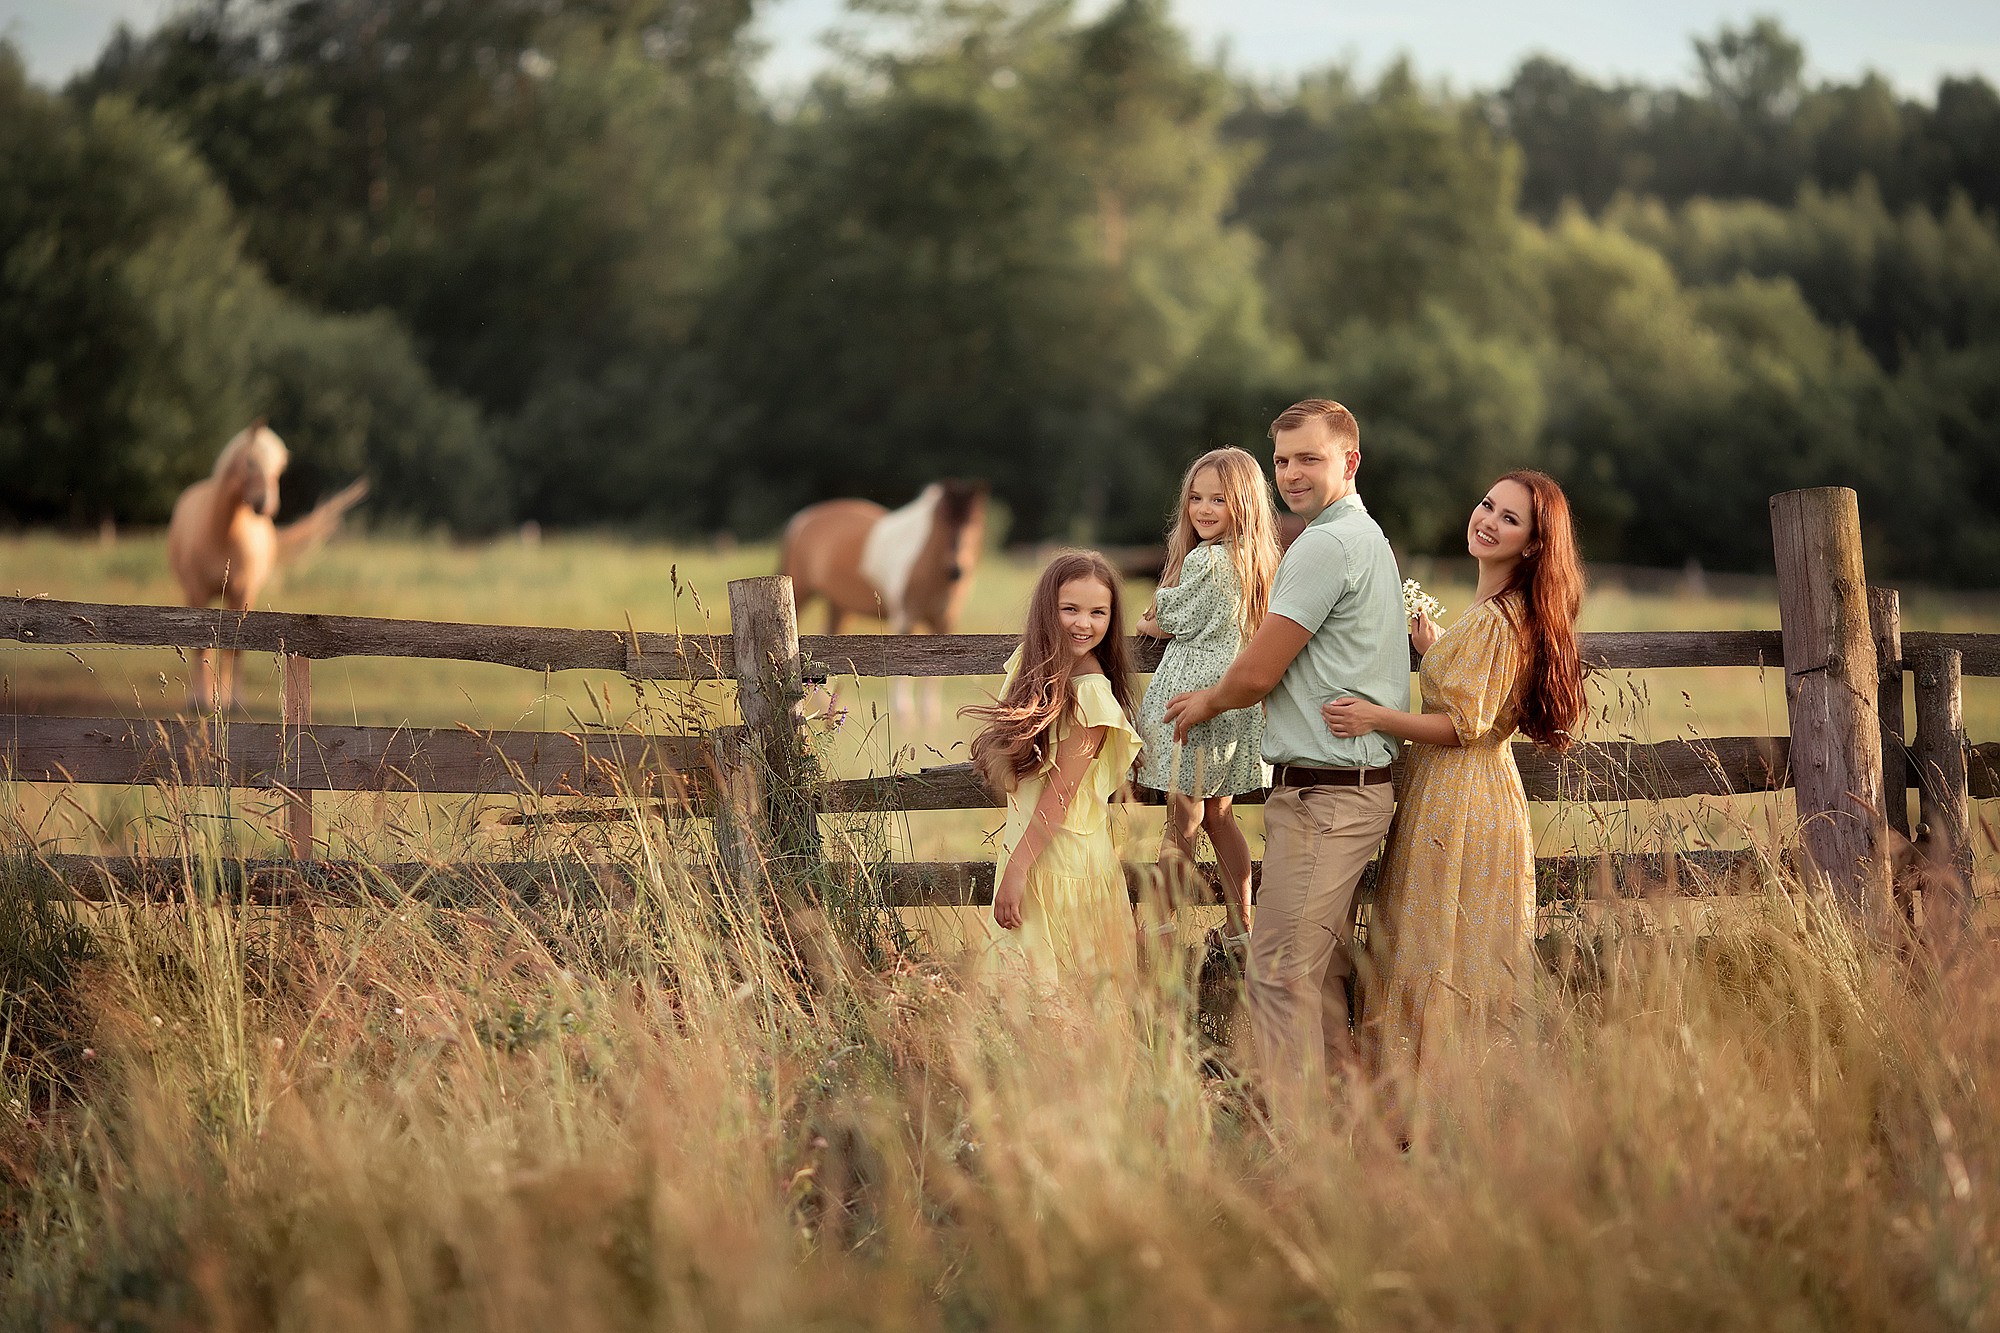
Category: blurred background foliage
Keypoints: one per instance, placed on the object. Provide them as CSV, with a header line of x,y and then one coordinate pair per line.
x,y
561,260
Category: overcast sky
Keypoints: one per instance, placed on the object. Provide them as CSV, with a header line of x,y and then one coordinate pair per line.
x,y
1471,43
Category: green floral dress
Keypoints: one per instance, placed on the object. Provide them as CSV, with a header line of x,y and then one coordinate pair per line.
x,y
1224,756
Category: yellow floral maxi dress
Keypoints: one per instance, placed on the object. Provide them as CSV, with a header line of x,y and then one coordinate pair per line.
x,y
1453,924
1076,921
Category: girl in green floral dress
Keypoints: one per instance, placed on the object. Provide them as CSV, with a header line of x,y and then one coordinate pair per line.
x,y
1221,556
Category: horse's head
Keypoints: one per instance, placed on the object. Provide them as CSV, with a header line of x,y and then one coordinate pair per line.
x,y
250,466
961,521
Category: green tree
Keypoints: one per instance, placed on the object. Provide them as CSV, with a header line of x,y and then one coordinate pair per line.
x,y
995,263
1578,138
542,192
126,310
1403,201
135,338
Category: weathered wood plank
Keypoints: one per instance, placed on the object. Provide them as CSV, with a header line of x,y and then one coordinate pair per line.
x,y
296,681
342,758
1885,623
1979,654
1605,771
1830,684
649,655
986,654
536,648
1640,650
1982,771
105,879
769,691
270,882
1943,788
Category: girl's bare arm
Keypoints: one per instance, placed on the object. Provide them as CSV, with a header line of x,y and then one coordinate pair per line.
x,y
1073,755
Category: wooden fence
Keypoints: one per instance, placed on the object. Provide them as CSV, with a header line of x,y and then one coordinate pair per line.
x,y
1839,645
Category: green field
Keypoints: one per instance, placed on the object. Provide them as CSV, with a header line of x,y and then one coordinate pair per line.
x,y
595,582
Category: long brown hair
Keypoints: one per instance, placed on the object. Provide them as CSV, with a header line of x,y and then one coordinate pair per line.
x,y
1017,739
1252,544
1549,584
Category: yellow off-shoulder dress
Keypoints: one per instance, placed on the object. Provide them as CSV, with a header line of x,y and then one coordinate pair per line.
x,y
1076,921
1454,915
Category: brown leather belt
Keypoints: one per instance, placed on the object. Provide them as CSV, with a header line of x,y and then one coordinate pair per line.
x,y
1295,775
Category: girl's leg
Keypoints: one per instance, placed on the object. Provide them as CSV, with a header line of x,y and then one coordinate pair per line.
x,y
1184,817
1232,858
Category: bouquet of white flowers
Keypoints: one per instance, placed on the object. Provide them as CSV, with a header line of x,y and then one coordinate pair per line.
x,y
1417,602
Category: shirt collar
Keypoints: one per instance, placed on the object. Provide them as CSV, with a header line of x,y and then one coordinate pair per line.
x,y
1348,503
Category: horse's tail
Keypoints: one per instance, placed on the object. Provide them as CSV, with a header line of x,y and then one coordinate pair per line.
x,y
297,539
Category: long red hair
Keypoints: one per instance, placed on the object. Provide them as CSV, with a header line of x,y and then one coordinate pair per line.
x,y
1017,738
1548,588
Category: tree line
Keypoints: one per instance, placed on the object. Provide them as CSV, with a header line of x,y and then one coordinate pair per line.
x,y
561,260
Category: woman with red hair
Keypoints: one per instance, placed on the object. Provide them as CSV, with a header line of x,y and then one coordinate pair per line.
x,y
1455,902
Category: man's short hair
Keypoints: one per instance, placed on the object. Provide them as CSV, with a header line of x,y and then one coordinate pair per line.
x,y
1341,427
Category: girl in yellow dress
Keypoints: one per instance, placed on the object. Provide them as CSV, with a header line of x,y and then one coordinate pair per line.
x,y
1059,742
1450,940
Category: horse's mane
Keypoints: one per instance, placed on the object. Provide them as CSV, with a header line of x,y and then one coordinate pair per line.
x,y
255,438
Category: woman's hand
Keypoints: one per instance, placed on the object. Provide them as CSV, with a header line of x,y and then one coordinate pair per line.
x,y
1423,633
1351,717
1009,895
1149,625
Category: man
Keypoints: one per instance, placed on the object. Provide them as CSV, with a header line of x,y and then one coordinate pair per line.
x,y
1335,628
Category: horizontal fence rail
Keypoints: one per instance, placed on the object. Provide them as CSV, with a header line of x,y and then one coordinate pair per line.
x,y
650,655
325,757
105,880
1606,771
320,757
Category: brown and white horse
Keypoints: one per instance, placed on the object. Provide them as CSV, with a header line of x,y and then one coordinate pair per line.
x,y
222,543
911,566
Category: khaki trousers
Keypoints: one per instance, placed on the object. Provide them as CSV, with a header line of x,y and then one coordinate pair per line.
x,y
1317,841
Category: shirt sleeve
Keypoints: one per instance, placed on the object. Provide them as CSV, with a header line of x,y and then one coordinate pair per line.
x,y
1184,609
1479,678
1311,579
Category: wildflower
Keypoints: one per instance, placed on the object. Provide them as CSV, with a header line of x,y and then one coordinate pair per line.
x,y
1417,602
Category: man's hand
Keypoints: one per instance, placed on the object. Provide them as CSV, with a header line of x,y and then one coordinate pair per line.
x,y
1188,711
1351,717
1009,896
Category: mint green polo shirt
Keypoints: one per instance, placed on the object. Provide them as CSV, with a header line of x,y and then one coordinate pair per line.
x,y
1339,580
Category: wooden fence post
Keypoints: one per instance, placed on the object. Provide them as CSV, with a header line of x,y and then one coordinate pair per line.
x,y
1885,623
1943,803
1830,691
739,811
770,692
295,684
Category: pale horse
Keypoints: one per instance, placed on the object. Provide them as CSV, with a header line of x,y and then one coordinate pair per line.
x,y
222,543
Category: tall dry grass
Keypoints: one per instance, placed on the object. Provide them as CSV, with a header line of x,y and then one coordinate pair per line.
x,y
685,1112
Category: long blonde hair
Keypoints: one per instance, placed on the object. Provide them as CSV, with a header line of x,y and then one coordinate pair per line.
x,y
1253,540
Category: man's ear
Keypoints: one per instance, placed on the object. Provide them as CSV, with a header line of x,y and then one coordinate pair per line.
x,y
1352,463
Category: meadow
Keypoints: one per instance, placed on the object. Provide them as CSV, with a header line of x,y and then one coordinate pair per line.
x,y
667,1107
